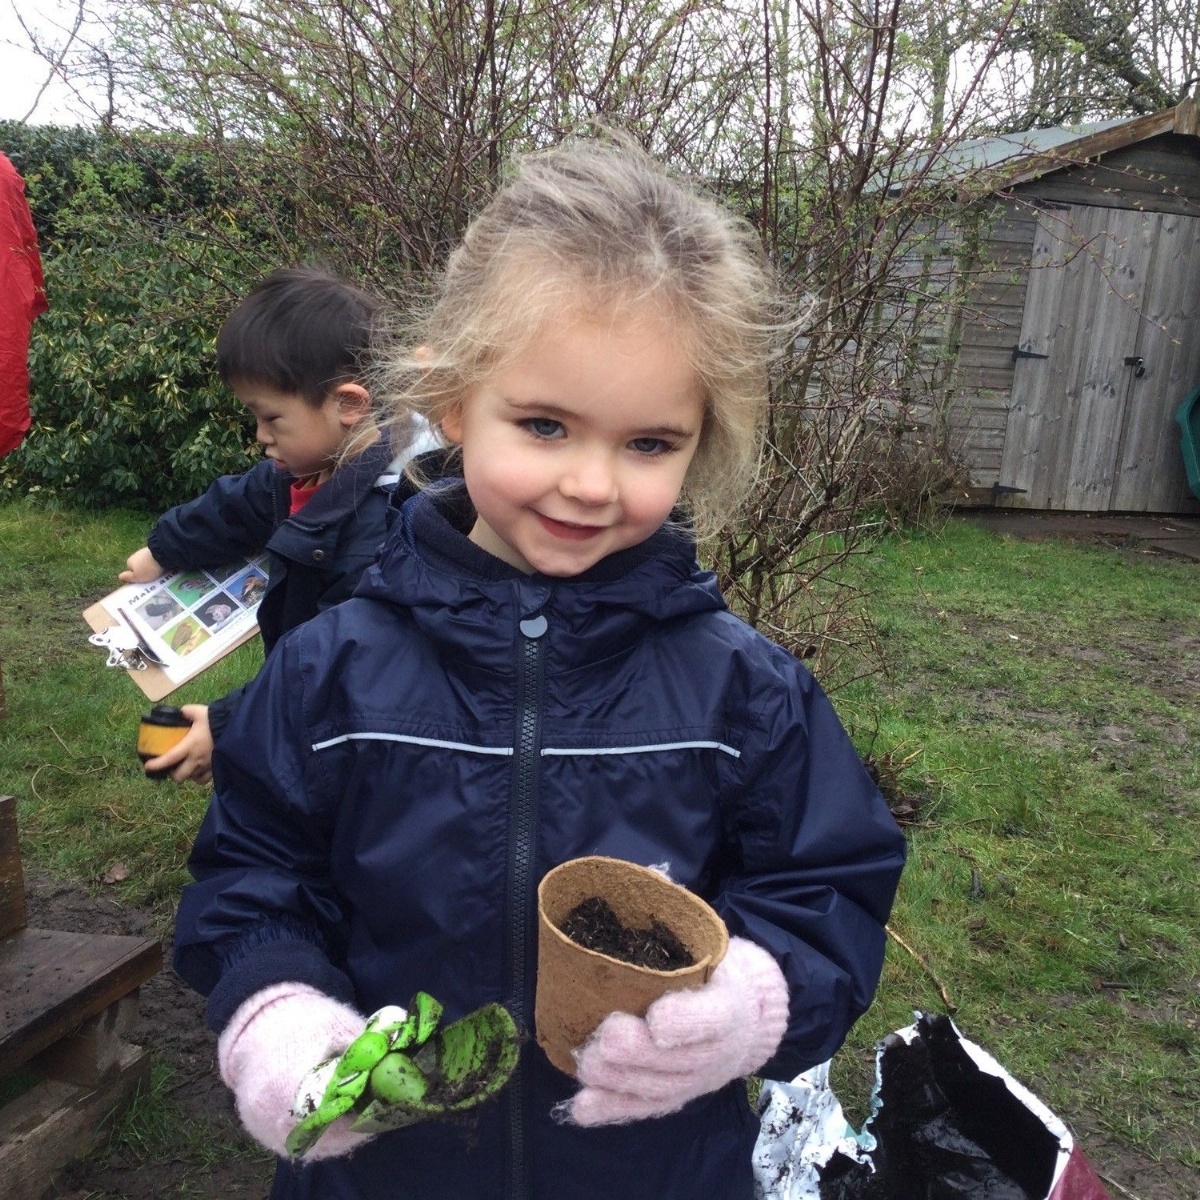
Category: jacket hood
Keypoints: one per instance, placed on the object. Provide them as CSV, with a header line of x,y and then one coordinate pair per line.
x,y
454,590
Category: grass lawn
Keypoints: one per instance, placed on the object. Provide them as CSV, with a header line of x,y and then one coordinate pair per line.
x,y
67,747
1050,694
1039,712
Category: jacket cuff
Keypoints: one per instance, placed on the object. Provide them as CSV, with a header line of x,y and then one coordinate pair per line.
x,y
222,711
162,556
270,963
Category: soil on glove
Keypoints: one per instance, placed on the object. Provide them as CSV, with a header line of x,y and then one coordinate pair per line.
x,y
443,1091
593,925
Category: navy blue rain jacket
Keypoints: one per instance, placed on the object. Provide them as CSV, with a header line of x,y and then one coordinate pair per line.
x,y
410,764
316,557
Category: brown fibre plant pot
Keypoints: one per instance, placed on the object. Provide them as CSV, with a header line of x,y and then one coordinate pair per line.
x,y
577,987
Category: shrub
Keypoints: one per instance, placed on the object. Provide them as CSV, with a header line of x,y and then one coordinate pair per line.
x,y
145,249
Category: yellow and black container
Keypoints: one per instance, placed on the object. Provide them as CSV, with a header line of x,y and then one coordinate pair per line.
x,y
159,730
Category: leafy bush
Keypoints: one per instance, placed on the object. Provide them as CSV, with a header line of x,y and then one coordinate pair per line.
x,y
145,248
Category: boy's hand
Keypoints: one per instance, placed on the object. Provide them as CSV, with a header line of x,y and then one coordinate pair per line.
x,y
191,756
141,567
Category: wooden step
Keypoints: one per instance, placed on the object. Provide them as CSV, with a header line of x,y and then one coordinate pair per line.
x,y
51,983
56,1123
67,1000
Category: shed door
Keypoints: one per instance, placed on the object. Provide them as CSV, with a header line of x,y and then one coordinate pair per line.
x,y
1085,430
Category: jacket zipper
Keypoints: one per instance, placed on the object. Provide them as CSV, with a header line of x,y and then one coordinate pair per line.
x,y
522,822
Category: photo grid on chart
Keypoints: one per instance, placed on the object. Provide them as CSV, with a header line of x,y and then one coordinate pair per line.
x,y
196,614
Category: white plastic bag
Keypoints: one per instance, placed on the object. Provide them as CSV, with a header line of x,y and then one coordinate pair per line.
x,y
947,1121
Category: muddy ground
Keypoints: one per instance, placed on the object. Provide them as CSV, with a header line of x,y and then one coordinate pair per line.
x,y
171,1025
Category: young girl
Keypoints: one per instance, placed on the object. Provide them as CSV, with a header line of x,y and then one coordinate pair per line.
x,y
536,669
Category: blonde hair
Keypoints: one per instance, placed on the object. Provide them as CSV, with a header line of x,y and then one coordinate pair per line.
x,y
599,226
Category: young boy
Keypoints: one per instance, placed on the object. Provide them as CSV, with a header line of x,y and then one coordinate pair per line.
x,y
292,351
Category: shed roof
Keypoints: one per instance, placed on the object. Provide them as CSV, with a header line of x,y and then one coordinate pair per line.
x,y
1012,158
1001,149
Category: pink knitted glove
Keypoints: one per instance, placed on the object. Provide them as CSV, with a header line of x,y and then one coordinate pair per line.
x,y
689,1043
273,1040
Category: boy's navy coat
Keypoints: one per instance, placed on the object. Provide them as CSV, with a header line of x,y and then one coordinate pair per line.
x,y
410,764
316,557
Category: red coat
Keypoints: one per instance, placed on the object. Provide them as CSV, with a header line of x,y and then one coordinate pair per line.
x,y
22,298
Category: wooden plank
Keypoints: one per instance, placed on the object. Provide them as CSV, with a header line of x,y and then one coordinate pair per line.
x,y
969,376
1187,117
1000,329
997,273
90,1054
1003,337
992,295
985,398
980,416
989,432
56,1123
12,878
1170,156
996,357
1011,234
994,325
981,434
985,473
1006,256
53,982
981,446
995,333
1071,191
1150,475
989,438
1085,381
1146,172
1007,309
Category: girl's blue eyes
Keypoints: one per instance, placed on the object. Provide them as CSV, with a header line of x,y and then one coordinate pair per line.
x,y
549,429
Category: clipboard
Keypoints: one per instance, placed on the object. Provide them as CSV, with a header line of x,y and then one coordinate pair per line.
x,y
167,632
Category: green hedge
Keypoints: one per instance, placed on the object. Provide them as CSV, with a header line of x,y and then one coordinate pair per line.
x,y
146,244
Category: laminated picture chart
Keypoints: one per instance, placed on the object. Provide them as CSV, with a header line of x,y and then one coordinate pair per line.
x,y
166,632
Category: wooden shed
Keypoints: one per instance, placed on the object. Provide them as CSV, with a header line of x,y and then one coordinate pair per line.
x,y
1080,337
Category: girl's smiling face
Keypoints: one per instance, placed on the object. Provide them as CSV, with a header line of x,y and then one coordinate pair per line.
x,y
578,447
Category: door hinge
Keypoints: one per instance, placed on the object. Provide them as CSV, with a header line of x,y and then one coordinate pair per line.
x,y
1017,352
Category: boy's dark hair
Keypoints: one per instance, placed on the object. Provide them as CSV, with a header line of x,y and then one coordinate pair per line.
x,y
301,331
